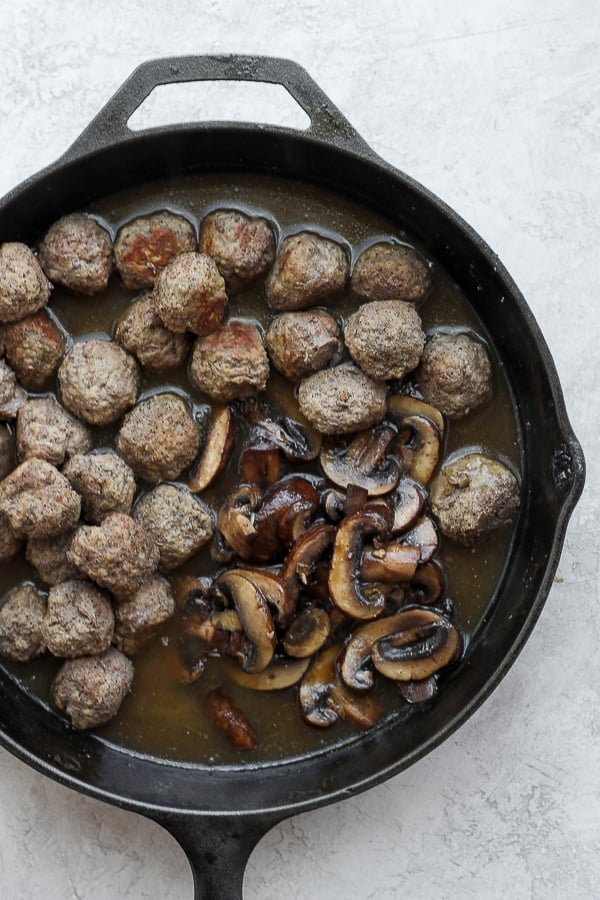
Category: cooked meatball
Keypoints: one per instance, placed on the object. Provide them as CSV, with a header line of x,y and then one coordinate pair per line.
x,y
47,431
303,342
78,253
49,558
34,347
118,554
7,451
385,338
10,546
179,522
455,374
38,501
79,620
472,496
242,247
309,270
12,395
342,400
159,438
190,294
98,381
23,286
231,363
141,331
145,245
390,272
90,689
21,616
143,615
105,482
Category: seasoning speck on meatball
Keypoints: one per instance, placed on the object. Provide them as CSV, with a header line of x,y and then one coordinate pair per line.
x,y
390,272
179,522
49,558
98,381
105,482
159,438
303,342
231,363
342,400
141,331
78,253
147,244
242,247
47,431
90,689
38,501
12,395
385,338
142,616
79,620
455,374
34,347
21,615
23,286
309,270
190,294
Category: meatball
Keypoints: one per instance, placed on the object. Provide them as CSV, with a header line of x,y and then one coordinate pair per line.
x,y
141,331
98,381
49,558
455,374
385,338
190,294
10,546
472,496
105,482
342,400
390,272
21,615
179,522
79,620
145,245
159,438
231,363
90,689
303,342
34,347
12,395
118,554
47,431
309,270
38,501
23,286
7,451
242,247
78,253
143,615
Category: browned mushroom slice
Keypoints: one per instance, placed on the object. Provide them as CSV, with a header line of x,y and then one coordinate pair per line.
x,y
345,585
356,497
427,584
324,699
279,675
286,512
230,721
418,447
307,633
235,519
408,503
419,691
423,643
189,590
260,463
217,450
363,462
257,650
400,406
355,658
305,553
273,588
424,536
299,443
393,563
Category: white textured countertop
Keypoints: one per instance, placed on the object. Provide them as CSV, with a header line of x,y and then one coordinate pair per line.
x,y
494,106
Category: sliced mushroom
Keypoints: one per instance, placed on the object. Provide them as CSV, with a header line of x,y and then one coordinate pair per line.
x,y
189,590
363,462
260,464
273,588
345,585
408,503
424,536
287,510
236,519
300,562
324,699
400,406
391,563
279,675
419,691
355,666
258,648
299,443
217,450
418,447
422,644
427,584
308,633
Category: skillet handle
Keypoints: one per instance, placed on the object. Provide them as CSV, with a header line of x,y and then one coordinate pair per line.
x,y
110,125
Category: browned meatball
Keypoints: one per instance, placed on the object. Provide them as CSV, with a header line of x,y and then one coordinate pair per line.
x,y
21,615
231,363
105,482
12,395
47,431
390,272
143,615
34,347
7,451
98,381
38,501
79,620
179,522
242,247
118,554
10,546
159,438
342,400
49,558
385,338
141,331
309,270
23,286
147,244
472,496
303,342
455,374
190,294
90,689
78,253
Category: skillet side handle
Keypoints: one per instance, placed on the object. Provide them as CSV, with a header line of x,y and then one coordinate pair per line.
x,y
110,125
217,848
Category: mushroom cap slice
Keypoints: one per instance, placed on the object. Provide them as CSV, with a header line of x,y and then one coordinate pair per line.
x,y
355,657
307,633
299,442
345,585
304,555
408,502
424,536
418,447
324,699
218,447
428,583
399,406
391,563
424,642
255,617
235,519
282,604
364,461
260,463
278,675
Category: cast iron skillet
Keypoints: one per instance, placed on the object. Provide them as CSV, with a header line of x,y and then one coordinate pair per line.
x,y
219,813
